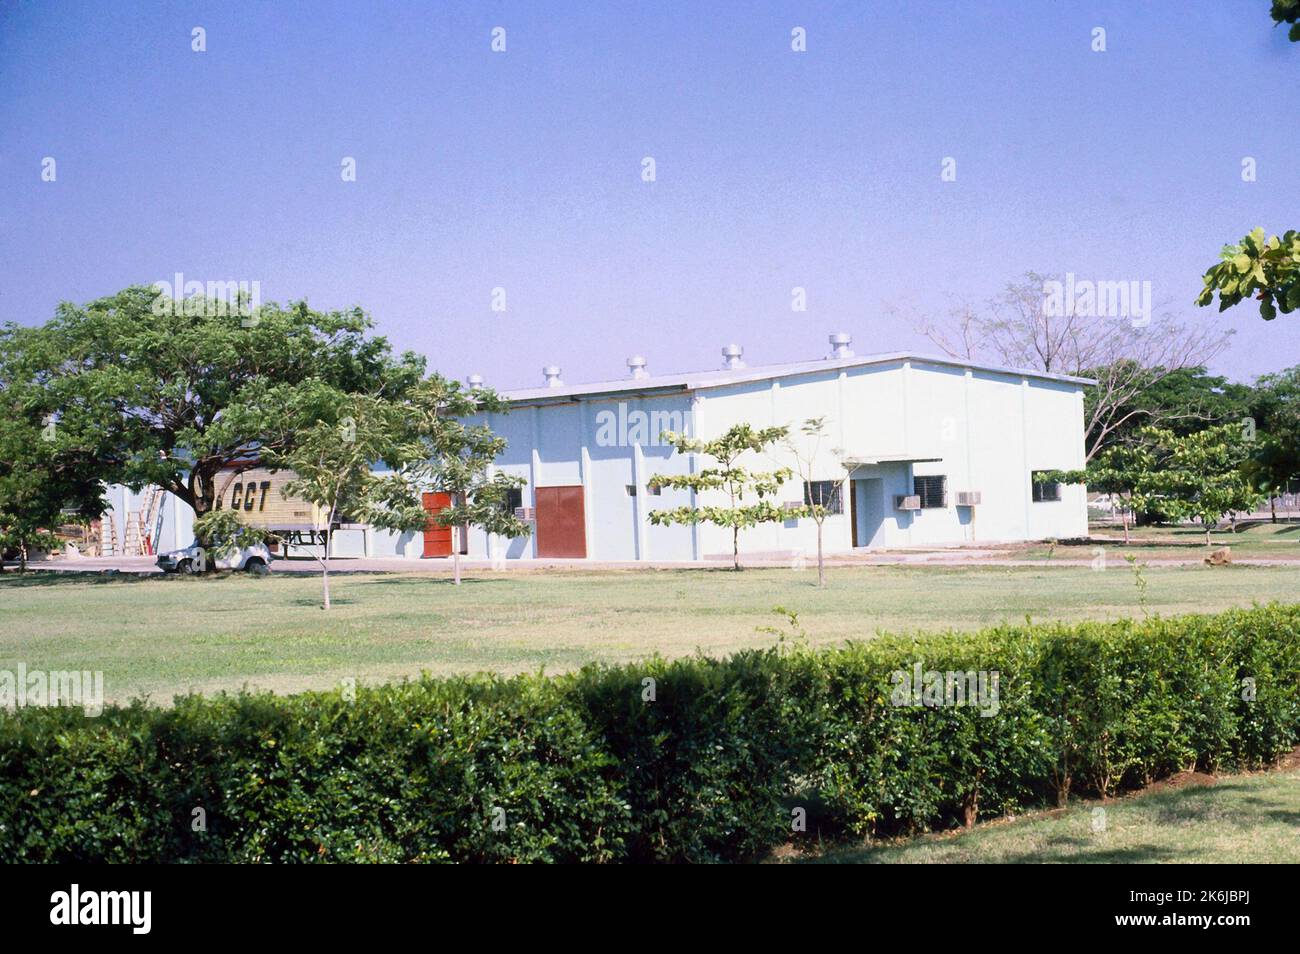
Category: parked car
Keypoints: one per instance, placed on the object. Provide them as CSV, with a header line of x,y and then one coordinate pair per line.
x,y
255,559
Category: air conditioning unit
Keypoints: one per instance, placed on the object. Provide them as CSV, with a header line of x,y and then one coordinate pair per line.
x,y
907,501
968,498
526,514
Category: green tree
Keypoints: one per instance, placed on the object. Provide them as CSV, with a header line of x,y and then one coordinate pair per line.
x,y
1260,267
1288,11
333,461
48,476
1275,419
806,460
1266,268
748,493
1183,400
1121,470
1198,475
456,458
170,393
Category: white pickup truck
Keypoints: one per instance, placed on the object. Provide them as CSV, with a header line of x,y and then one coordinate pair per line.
x,y
255,559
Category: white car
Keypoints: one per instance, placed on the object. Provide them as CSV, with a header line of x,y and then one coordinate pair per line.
x,y
255,559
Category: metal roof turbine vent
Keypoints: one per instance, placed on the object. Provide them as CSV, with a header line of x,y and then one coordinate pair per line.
x,y
731,356
636,367
552,374
841,346
475,380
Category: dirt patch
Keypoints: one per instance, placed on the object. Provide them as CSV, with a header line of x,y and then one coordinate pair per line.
x,y
1180,780
1290,761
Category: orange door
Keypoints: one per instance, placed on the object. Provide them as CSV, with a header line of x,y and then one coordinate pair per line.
x,y
561,525
437,539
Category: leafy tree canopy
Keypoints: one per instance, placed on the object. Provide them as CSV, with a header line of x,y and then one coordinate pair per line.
x,y
747,493
1266,268
170,395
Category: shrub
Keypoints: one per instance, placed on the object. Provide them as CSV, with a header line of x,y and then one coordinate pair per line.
x,y
689,760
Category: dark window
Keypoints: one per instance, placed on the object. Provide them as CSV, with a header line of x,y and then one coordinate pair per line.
x,y
933,491
654,490
823,492
1044,492
631,490
514,499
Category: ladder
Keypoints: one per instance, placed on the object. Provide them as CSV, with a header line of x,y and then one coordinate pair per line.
x,y
146,536
132,541
108,536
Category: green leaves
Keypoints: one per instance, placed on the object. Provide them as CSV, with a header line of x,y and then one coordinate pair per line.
x,y
1287,11
1178,477
586,767
1266,268
727,478
172,395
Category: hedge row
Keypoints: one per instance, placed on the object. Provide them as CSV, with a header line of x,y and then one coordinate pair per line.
x,y
688,760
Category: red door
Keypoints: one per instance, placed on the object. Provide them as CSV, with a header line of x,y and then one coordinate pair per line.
x,y
437,539
561,523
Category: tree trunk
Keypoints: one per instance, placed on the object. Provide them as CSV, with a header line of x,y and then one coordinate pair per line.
x,y
821,564
1124,517
22,558
201,495
735,547
1272,507
1207,533
325,568
455,555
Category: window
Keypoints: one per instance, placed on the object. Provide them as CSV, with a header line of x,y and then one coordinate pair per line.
x,y
1044,492
631,490
514,499
823,492
654,490
933,491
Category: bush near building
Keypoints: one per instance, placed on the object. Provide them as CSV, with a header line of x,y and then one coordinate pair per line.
x,y
690,760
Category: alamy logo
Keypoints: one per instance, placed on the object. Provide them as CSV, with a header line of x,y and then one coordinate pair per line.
x,y
22,688
1104,299
934,688
102,907
207,299
624,427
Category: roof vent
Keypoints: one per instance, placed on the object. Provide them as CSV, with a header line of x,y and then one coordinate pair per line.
x,y
731,356
841,346
475,380
636,367
552,374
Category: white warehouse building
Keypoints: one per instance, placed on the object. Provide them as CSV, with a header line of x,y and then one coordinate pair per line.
x,y
928,450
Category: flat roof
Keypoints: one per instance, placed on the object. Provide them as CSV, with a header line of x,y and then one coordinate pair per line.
x,y
722,377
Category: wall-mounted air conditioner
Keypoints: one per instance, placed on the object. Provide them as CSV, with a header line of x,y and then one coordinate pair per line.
x,y
968,498
907,501
526,514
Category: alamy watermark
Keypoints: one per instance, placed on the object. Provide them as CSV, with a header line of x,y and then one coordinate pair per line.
x,y
1098,299
626,426
23,688
240,299
934,688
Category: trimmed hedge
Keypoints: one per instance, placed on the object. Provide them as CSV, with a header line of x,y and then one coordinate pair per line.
x,y
584,767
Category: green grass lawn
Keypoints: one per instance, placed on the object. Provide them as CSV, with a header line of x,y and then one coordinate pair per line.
x,y
160,636
1240,819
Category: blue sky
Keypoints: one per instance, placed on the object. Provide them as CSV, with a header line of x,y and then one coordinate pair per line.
x,y
522,170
